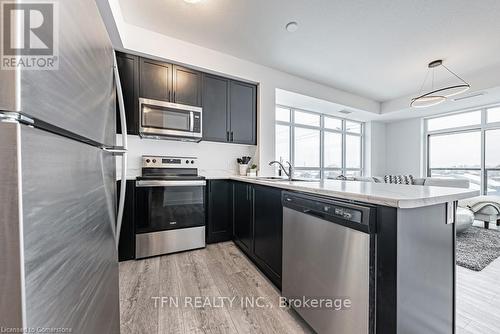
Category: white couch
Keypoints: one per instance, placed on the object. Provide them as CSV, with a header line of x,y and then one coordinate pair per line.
x,y
464,215
424,181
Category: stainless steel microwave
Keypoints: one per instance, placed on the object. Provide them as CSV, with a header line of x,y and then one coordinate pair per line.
x,y
165,120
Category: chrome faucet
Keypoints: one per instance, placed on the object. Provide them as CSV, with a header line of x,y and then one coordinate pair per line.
x,y
289,174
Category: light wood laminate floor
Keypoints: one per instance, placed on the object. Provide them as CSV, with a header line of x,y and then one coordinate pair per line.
x,y
221,270
478,300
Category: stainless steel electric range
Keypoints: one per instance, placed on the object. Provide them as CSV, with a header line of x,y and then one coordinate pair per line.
x,y
170,204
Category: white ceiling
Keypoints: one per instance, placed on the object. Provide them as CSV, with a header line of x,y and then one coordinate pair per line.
x,y
375,48
300,101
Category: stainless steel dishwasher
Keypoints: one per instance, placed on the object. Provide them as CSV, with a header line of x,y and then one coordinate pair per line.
x,y
328,256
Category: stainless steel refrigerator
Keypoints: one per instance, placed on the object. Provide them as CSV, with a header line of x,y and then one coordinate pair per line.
x,y
58,206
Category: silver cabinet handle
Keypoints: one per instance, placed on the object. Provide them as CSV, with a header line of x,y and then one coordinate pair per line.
x,y
122,151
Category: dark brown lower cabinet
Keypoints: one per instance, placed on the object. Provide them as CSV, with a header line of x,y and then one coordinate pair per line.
x,y
243,216
268,231
219,211
252,216
258,227
126,247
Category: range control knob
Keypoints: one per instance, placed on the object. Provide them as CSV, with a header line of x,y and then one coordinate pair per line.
x,y
154,161
148,161
192,161
187,161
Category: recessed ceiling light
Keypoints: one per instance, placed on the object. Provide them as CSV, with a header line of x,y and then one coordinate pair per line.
x,y
292,26
192,1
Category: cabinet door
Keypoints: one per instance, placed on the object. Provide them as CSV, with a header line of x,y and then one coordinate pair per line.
x,y
215,108
126,249
186,86
220,202
268,230
155,80
242,217
128,67
243,113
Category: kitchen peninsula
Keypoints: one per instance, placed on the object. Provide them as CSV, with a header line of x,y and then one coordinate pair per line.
x,y
406,252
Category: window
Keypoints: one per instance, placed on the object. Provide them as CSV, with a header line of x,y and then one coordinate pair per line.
x,y
283,141
306,147
454,121
455,144
456,155
318,146
492,162
493,115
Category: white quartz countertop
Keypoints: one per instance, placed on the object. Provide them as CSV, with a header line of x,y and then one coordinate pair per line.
x,y
393,195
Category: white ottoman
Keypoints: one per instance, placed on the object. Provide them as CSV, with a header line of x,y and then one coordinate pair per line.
x,y
463,219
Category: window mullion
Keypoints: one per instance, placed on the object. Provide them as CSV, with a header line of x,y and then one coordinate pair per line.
x,y
344,148
321,146
292,137
483,162
483,173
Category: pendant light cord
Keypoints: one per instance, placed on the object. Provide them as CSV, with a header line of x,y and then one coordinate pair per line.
x,y
433,74
459,78
423,83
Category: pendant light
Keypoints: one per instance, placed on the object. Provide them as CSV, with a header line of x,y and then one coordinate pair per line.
x,y
437,96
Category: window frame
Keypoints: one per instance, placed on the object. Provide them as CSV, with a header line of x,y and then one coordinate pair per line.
x,y
322,129
483,127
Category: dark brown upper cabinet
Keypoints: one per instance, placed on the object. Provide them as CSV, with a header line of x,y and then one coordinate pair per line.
x,y
229,110
215,108
128,67
243,116
186,86
229,106
156,80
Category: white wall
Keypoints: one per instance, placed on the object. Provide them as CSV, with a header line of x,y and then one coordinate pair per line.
x,y
215,159
375,149
151,43
404,147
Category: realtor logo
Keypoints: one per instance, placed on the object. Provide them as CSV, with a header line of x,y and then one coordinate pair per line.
x,y
29,35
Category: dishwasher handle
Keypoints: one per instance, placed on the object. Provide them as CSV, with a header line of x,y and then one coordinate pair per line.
x,y
313,213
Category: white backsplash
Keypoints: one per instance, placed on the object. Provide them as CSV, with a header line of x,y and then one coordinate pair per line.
x,y
215,159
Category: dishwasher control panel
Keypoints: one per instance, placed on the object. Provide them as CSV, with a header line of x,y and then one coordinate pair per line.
x,y
357,216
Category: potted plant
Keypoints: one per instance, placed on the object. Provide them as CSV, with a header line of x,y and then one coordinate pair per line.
x,y
253,170
243,164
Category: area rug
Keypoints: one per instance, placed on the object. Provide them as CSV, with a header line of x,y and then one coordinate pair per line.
x,y
477,247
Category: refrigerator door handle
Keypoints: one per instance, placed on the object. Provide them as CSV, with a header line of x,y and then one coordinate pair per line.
x,y
121,201
122,151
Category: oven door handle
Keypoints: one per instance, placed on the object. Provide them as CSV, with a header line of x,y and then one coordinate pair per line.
x,y
161,183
